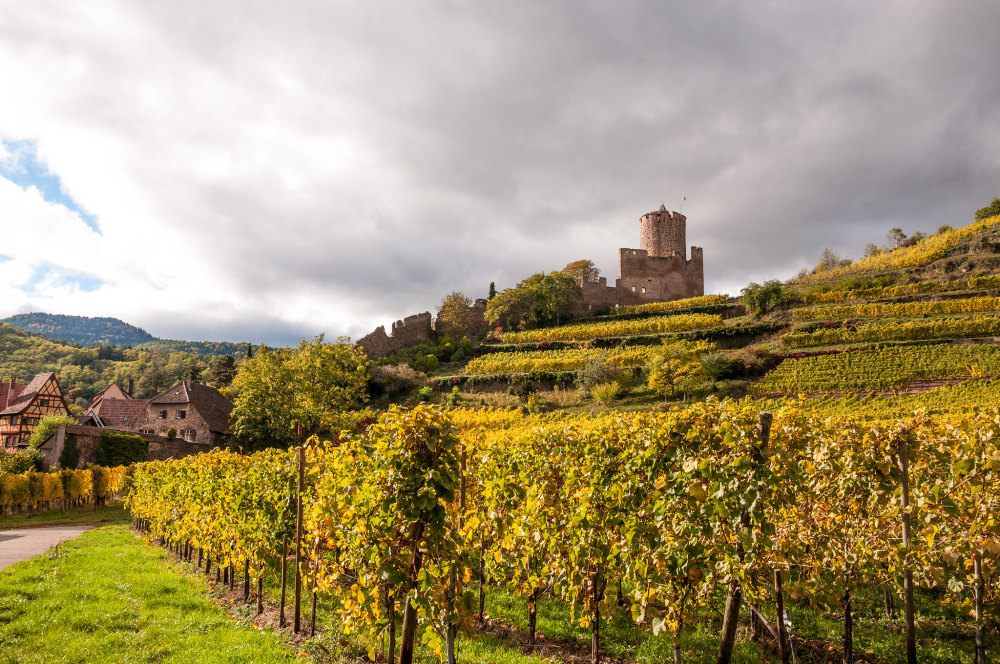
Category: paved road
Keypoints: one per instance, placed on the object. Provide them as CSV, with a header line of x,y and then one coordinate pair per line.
x,y
21,544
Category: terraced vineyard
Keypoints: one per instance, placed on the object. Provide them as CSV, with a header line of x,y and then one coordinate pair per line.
x,y
906,330
945,402
673,305
879,368
900,309
985,282
624,328
569,359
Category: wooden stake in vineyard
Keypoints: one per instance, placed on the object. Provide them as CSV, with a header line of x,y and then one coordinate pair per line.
x,y
904,478
284,577
298,534
782,630
734,597
977,566
452,629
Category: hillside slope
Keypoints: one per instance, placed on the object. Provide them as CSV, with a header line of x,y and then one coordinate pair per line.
x,y
83,330
922,318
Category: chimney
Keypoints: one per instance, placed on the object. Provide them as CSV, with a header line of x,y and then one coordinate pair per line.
x,y
131,386
9,396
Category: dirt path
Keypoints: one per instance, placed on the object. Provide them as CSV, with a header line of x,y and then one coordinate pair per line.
x,y
23,543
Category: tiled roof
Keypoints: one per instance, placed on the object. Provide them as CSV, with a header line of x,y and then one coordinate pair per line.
x,y
112,391
179,393
29,392
208,401
8,392
122,413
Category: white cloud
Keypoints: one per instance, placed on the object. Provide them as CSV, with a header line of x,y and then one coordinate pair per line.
x,y
287,169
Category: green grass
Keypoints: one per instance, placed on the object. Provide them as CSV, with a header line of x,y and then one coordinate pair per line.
x,y
621,638
108,597
102,516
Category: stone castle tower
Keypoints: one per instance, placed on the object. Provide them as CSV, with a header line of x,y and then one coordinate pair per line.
x,y
662,233
659,271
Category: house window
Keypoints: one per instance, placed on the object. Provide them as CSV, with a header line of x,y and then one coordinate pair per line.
x,y
181,414
147,431
643,289
161,415
31,421
190,435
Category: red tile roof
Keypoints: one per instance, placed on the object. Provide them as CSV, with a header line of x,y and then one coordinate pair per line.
x,y
28,394
122,413
112,391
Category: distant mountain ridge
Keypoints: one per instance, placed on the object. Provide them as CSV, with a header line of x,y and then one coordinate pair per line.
x,y
83,330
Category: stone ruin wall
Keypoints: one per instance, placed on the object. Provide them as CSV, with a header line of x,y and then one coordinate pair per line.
x,y
405,333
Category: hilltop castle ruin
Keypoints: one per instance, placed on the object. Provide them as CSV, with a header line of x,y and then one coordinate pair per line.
x,y
656,272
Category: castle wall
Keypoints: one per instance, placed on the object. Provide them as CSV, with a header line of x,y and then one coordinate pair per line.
x,y
405,333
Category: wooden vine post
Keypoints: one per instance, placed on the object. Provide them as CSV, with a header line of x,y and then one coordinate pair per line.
x,y
977,566
734,596
298,536
409,611
779,598
284,577
904,478
452,628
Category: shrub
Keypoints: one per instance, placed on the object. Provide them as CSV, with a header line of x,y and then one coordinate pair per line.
x,y
47,426
393,380
523,390
991,210
454,397
426,363
425,394
22,462
597,372
716,365
171,433
762,298
605,393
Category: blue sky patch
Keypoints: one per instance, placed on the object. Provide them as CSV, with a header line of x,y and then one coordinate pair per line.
x,y
61,277
4,259
23,168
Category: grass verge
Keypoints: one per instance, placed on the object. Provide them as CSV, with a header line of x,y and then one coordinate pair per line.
x,y
108,597
85,516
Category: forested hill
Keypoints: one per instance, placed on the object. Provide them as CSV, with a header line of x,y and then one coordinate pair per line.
x,y
82,330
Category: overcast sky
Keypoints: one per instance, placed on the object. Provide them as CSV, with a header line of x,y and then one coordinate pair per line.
x,y
267,171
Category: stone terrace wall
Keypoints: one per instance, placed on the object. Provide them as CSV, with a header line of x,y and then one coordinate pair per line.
x,y
405,333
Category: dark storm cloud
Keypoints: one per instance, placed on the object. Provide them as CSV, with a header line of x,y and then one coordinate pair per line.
x,y
338,166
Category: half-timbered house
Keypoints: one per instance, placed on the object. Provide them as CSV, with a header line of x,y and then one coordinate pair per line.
x,y
24,406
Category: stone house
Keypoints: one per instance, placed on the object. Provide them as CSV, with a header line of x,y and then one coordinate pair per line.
x,y
197,413
22,407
